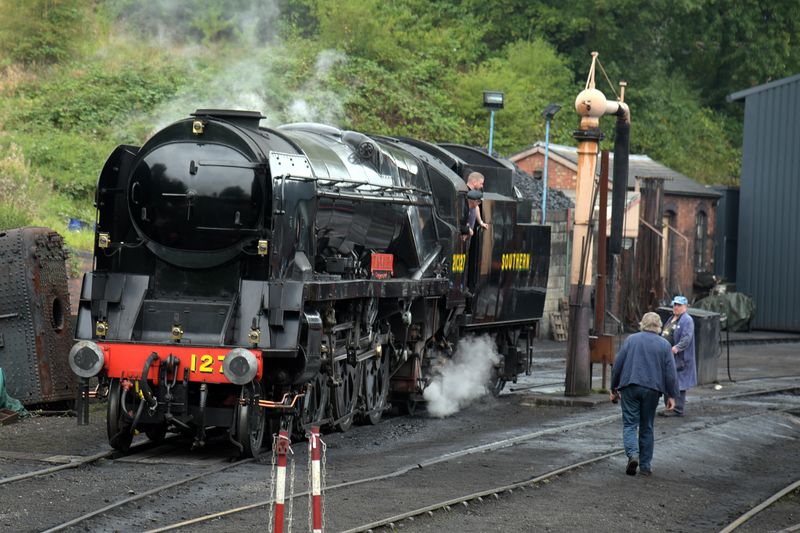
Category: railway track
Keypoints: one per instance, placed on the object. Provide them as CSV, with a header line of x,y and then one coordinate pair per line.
x,y
764,505
77,462
142,495
195,477
493,492
143,452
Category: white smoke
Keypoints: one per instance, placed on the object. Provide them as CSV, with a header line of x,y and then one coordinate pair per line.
x,y
255,77
314,102
463,378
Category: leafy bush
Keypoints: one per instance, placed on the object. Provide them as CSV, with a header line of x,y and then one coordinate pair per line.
x,y
414,103
95,98
70,161
19,188
41,31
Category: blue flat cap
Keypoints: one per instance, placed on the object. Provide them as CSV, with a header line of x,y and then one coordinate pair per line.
x,y
680,300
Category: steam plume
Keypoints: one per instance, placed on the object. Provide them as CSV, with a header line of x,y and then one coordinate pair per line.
x,y
463,378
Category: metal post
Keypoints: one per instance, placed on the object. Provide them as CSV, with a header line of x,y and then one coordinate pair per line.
x,y
491,129
314,445
82,405
546,157
282,450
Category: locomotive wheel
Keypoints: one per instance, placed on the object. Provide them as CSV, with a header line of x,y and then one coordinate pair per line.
x,y
345,394
251,422
376,386
156,432
314,404
118,428
410,407
496,382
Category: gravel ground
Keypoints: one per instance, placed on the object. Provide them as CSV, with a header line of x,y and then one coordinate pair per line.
x,y
710,467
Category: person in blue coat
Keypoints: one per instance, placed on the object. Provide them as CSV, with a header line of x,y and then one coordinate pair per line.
x,y
679,331
643,370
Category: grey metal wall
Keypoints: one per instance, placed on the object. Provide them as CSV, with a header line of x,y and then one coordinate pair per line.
x,y
726,233
769,206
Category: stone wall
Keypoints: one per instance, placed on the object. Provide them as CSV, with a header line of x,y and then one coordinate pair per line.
x,y
560,223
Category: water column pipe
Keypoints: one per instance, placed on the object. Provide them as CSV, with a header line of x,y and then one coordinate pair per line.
x,y
591,104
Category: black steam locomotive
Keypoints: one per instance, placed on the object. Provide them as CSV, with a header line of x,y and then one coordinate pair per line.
x,y
242,273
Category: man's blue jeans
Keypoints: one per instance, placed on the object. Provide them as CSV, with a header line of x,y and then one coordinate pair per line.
x,y
638,411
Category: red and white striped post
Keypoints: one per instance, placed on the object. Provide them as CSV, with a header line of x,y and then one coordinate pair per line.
x,y
282,450
314,448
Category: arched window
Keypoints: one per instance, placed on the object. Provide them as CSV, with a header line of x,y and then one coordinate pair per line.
x,y
701,229
669,257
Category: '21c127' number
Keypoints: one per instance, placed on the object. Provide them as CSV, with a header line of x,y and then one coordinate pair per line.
x,y
205,363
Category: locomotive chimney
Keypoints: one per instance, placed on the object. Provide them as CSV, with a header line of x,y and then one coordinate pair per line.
x,y
244,119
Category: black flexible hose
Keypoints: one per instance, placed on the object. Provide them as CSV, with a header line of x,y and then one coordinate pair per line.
x,y
144,386
136,418
728,348
122,406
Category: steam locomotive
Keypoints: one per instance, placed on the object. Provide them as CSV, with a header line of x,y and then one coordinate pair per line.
x,y
243,273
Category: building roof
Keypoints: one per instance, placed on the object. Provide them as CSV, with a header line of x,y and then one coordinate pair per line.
x,y
639,166
763,87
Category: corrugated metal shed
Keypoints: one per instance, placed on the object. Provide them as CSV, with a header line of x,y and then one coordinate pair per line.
x,y
768,262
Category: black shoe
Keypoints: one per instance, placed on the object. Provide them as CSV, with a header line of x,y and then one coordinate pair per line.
x,y
633,464
645,472
669,413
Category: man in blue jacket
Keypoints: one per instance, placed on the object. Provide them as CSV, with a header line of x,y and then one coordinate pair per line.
x,y
643,370
679,331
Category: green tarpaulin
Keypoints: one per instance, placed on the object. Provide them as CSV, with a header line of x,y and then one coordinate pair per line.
x,y
6,401
737,307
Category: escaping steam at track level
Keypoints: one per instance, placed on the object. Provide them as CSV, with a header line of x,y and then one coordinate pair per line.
x,y
463,378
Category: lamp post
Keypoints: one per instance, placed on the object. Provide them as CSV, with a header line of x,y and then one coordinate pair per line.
x,y
548,114
492,100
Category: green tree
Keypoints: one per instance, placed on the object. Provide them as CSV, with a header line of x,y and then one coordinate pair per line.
x,y
531,74
670,124
728,45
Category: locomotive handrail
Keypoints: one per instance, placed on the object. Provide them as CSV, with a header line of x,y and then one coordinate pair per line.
x,y
336,181
231,164
373,198
427,263
380,187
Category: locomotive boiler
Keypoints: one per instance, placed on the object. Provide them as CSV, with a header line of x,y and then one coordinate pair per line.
x,y
244,273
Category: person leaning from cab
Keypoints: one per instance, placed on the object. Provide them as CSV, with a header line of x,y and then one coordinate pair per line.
x,y
474,199
679,332
643,370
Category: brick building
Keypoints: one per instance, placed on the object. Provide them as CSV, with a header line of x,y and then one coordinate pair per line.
x,y
688,210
